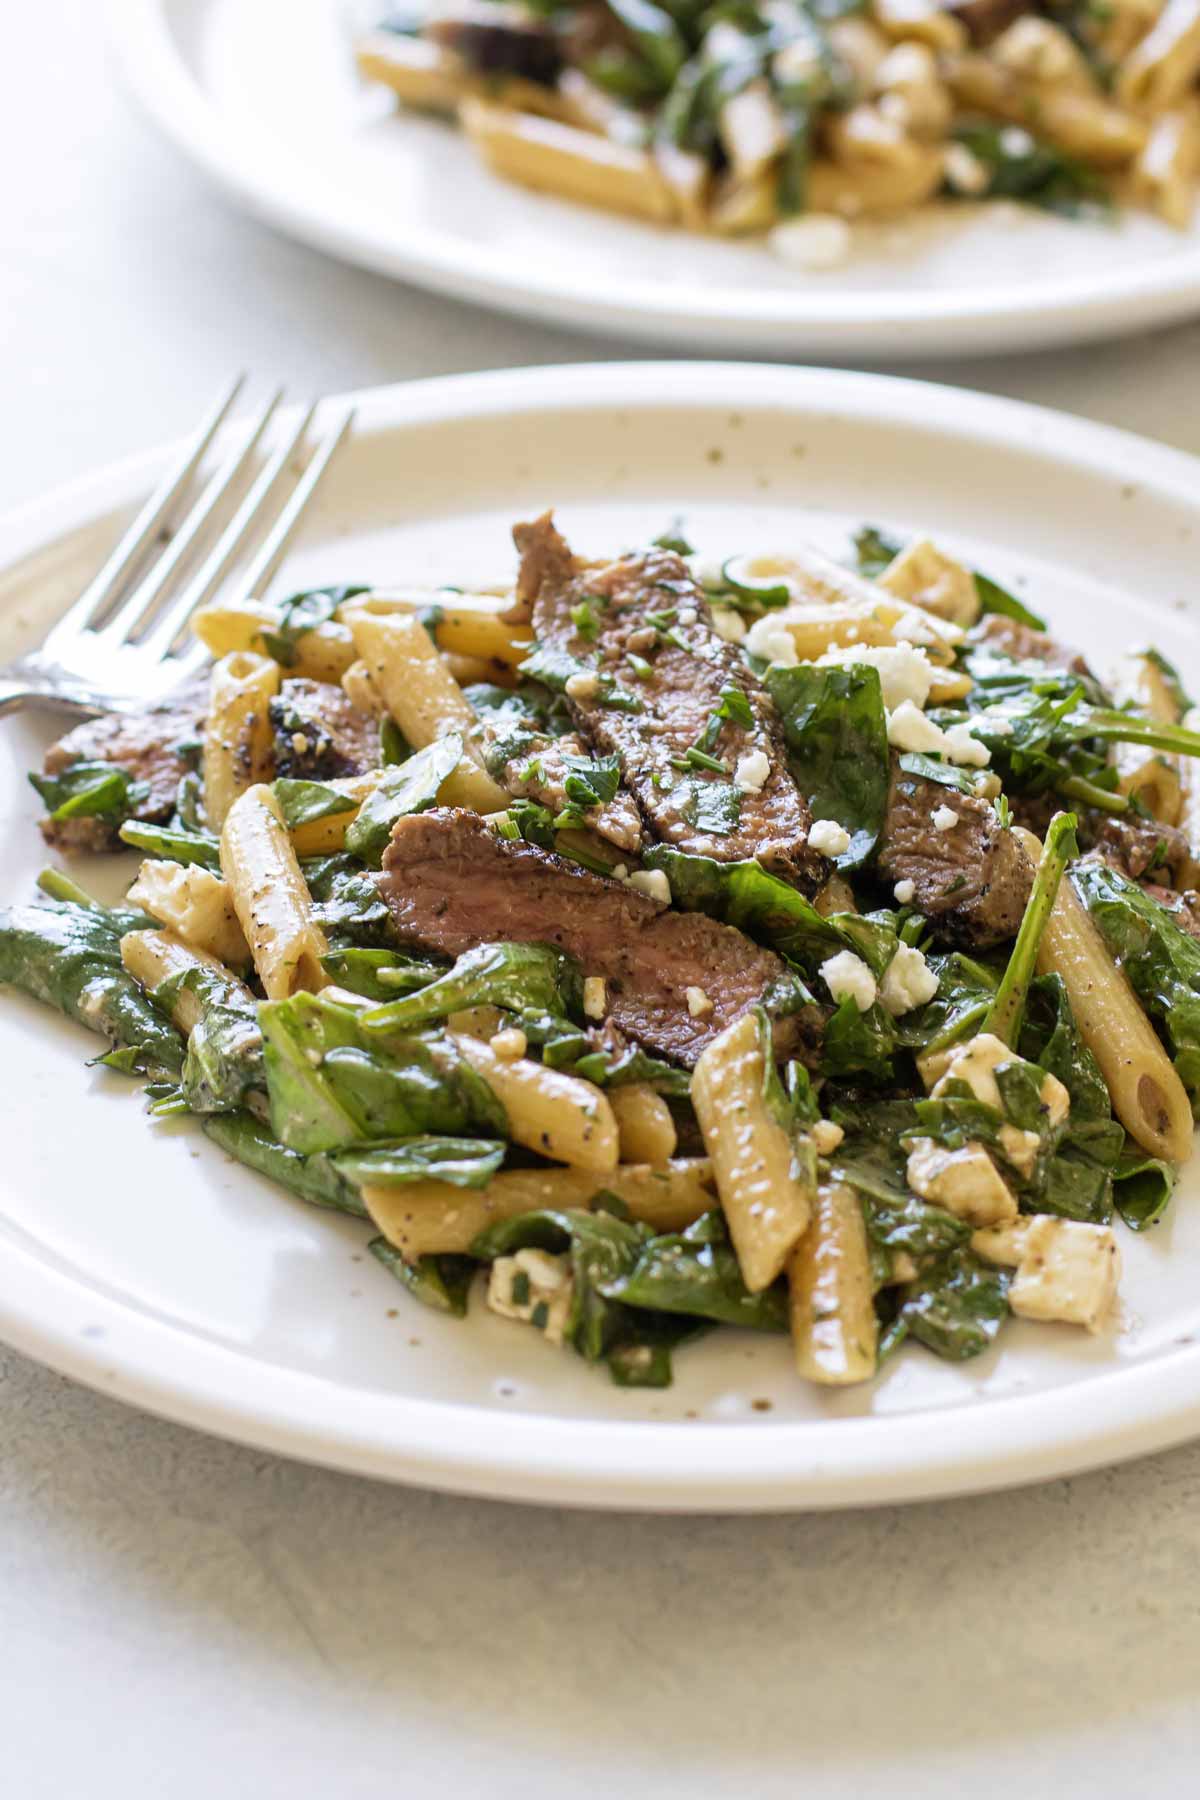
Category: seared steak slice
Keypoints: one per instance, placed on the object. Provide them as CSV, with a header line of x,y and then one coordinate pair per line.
x,y
1183,907
498,40
1010,638
1135,847
150,746
972,882
539,770
451,883
320,734
654,710
547,560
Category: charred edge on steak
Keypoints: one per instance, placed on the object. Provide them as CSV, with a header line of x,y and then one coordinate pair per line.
x,y
320,734
150,746
648,604
451,884
972,882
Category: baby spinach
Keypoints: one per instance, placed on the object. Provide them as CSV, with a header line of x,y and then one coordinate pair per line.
x,y
187,847
836,732
403,788
696,1272
304,612
87,790
458,1161
443,1283
313,1178
533,978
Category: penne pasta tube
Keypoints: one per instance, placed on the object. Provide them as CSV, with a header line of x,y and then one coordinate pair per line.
x,y
153,957
318,837
644,1124
1160,70
1189,806
1164,176
467,624
831,1307
764,1194
1154,778
560,159
194,904
270,897
1147,1095
421,694
323,653
689,178
560,1116
467,670
742,205
237,748
865,188
1084,124
419,72
427,1218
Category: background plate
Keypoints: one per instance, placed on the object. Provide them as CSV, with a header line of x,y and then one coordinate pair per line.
x,y
263,94
137,1258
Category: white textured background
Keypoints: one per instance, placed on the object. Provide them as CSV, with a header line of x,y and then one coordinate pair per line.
x,y
181,1617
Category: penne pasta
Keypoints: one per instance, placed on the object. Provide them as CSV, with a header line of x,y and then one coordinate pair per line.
x,y
557,1115
270,897
561,159
154,957
237,749
1160,70
765,1195
830,1301
195,905
421,694
322,653
1164,176
320,837
1138,681
428,1218
644,1124
1147,1095
471,625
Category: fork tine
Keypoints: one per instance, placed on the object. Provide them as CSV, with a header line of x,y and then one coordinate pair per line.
x,y
171,620
142,532
141,603
270,552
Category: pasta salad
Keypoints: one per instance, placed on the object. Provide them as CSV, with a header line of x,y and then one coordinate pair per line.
x,y
797,117
655,944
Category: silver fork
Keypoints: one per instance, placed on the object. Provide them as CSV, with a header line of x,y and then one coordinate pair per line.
x,y
118,646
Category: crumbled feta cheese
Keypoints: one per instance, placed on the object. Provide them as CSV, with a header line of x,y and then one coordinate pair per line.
x,y
962,747
909,729
904,891
963,170
905,672
1067,1271
975,1063
299,743
653,883
1001,1243
1016,142
595,996
509,1045
620,872
698,1002
772,641
965,1181
728,624
997,724
815,241
705,568
827,836
1020,1147
943,818
908,981
583,685
535,1288
847,974
752,771
826,1136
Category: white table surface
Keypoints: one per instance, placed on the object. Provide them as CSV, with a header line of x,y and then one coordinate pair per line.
x,y
181,1616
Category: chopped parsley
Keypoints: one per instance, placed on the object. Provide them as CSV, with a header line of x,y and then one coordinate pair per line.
x,y
520,1288
696,758
639,666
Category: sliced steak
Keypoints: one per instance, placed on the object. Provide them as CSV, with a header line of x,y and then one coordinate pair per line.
x,y
986,19
451,883
648,605
1183,907
497,38
1010,638
151,747
535,766
972,882
320,734
1139,848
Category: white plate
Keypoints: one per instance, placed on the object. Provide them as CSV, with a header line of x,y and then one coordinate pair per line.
x,y
136,1258
263,95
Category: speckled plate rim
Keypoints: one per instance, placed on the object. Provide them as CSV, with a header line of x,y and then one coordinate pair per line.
x,y
829,322
161,1366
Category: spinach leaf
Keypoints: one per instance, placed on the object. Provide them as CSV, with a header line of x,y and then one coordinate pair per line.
x,y
954,1308
304,612
874,550
1161,962
186,847
1142,1188
554,668
995,599
346,902
608,1067
69,957
313,1178
1007,1008
696,1272
460,1162
1020,167
602,1250
379,974
329,1087
442,1283
836,732
407,787
224,1061
300,802
928,768
533,978
966,988
87,790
